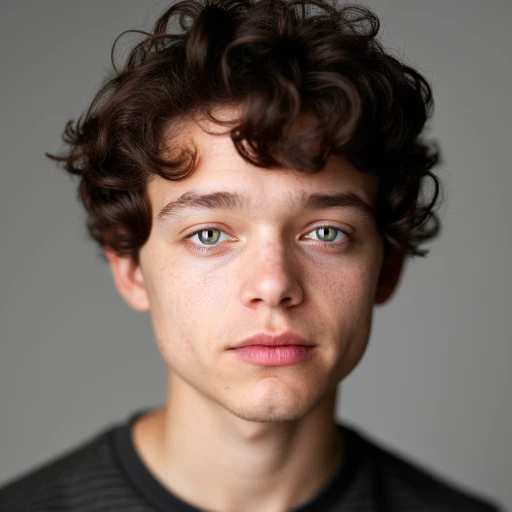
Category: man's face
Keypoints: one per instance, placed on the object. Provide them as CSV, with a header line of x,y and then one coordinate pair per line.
x,y
271,255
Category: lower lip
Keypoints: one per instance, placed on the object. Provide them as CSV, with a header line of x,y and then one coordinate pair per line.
x,y
281,355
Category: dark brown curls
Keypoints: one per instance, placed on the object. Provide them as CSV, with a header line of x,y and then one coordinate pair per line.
x,y
277,59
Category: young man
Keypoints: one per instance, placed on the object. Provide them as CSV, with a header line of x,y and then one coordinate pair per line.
x,y
255,181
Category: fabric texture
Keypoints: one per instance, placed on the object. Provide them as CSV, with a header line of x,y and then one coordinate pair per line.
x,y
105,473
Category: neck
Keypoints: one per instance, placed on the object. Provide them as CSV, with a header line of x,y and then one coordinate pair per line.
x,y
213,459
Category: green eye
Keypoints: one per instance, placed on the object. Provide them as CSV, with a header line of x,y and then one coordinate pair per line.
x,y
326,234
209,236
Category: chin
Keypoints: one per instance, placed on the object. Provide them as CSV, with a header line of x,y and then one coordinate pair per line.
x,y
269,417
272,402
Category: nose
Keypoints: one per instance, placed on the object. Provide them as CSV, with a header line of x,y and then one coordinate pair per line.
x,y
269,278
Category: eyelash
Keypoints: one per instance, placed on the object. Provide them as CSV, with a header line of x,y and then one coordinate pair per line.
x,y
205,249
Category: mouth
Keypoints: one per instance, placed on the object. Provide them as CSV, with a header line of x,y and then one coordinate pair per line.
x,y
273,350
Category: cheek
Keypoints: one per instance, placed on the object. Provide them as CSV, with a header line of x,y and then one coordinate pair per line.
x,y
343,305
360,322
186,309
346,291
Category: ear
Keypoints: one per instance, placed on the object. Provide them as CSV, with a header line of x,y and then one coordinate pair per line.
x,y
128,280
391,270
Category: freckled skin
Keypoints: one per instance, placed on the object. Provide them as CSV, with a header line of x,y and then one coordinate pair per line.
x,y
268,279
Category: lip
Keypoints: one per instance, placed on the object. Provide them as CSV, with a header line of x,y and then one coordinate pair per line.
x,y
274,340
273,350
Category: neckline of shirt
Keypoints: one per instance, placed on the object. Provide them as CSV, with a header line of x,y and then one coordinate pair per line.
x,y
158,496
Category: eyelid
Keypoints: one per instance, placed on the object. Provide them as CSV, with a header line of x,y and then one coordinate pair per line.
x,y
343,230
207,227
197,229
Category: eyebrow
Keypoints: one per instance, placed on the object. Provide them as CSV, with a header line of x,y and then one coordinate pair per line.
x,y
192,200
233,201
339,200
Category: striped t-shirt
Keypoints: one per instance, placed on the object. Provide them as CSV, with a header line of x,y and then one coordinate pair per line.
x,y
106,474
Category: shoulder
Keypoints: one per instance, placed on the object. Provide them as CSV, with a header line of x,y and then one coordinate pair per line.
x,y
407,485
73,477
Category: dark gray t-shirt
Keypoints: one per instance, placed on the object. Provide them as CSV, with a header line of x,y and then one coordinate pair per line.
x,y
106,474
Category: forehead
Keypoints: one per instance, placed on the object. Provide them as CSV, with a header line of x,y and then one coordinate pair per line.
x,y
219,167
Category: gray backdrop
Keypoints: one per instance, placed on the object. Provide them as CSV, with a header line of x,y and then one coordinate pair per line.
x,y
435,382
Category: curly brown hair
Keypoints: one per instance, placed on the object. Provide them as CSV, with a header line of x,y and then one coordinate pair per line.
x,y
277,59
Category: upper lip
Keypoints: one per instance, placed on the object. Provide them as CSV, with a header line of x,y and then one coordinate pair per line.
x,y
273,340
